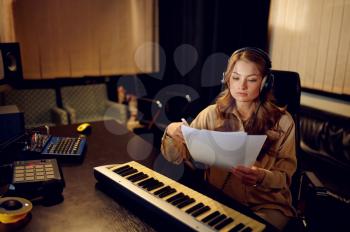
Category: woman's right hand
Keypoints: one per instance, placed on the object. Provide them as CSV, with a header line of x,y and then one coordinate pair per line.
x,y
174,131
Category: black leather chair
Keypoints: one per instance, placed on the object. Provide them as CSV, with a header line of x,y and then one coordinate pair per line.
x,y
287,91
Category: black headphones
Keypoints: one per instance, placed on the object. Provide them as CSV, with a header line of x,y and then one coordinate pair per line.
x,y
268,80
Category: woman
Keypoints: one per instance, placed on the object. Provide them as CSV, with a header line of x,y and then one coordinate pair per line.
x,y
247,105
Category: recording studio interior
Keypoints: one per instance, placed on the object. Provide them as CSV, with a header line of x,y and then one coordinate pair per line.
x,y
88,88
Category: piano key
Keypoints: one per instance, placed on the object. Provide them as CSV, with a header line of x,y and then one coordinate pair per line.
x,y
245,221
134,176
237,227
128,172
247,229
201,211
175,197
121,168
185,203
155,186
178,207
161,190
167,193
194,208
141,177
217,220
180,200
215,207
223,223
142,183
206,212
149,183
211,216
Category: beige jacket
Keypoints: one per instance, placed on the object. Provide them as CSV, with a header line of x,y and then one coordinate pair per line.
x,y
279,165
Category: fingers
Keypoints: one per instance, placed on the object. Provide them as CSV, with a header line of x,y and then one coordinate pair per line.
x,y
246,170
174,131
179,137
248,175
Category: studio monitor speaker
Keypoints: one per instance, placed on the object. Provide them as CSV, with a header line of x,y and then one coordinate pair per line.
x,y
11,124
11,61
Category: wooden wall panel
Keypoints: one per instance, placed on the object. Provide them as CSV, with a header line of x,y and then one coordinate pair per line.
x,y
342,68
64,38
325,21
334,38
277,19
7,31
312,38
312,31
30,49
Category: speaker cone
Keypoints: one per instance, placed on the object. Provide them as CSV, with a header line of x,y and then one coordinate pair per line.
x,y
11,62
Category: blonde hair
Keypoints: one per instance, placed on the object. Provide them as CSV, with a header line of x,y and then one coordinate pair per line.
x,y
266,114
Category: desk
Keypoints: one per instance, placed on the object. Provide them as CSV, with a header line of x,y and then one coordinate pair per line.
x,y
86,208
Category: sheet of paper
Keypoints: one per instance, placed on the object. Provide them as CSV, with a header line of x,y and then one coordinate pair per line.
x,y
225,149
253,146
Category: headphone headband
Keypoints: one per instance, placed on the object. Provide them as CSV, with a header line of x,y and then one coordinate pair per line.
x,y
258,51
268,80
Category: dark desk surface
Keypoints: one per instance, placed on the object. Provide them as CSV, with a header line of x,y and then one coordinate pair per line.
x,y
85,208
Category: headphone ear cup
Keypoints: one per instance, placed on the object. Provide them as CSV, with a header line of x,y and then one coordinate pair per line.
x,y
224,85
263,82
266,86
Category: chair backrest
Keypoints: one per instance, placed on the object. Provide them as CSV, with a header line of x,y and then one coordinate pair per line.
x,y
87,100
35,103
287,91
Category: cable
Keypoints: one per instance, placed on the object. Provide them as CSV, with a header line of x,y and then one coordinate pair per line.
x,y
11,141
337,197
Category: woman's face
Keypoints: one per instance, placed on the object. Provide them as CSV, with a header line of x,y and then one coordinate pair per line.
x,y
245,81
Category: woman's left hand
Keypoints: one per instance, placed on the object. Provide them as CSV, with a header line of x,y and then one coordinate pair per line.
x,y
249,175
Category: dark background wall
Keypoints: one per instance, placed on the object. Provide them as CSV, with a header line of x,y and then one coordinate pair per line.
x,y
215,29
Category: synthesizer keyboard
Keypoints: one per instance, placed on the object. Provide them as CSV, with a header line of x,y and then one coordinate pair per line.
x,y
190,207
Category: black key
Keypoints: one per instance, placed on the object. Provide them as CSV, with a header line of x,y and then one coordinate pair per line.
x,y
159,184
175,197
149,183
137,177
142,183
144,176
155,185
126,173
185,203
247,229
223,223
134,176
159,191
121,168
194,208
237,227
167,193
210,216
124,170
217,220
201,211
178,201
